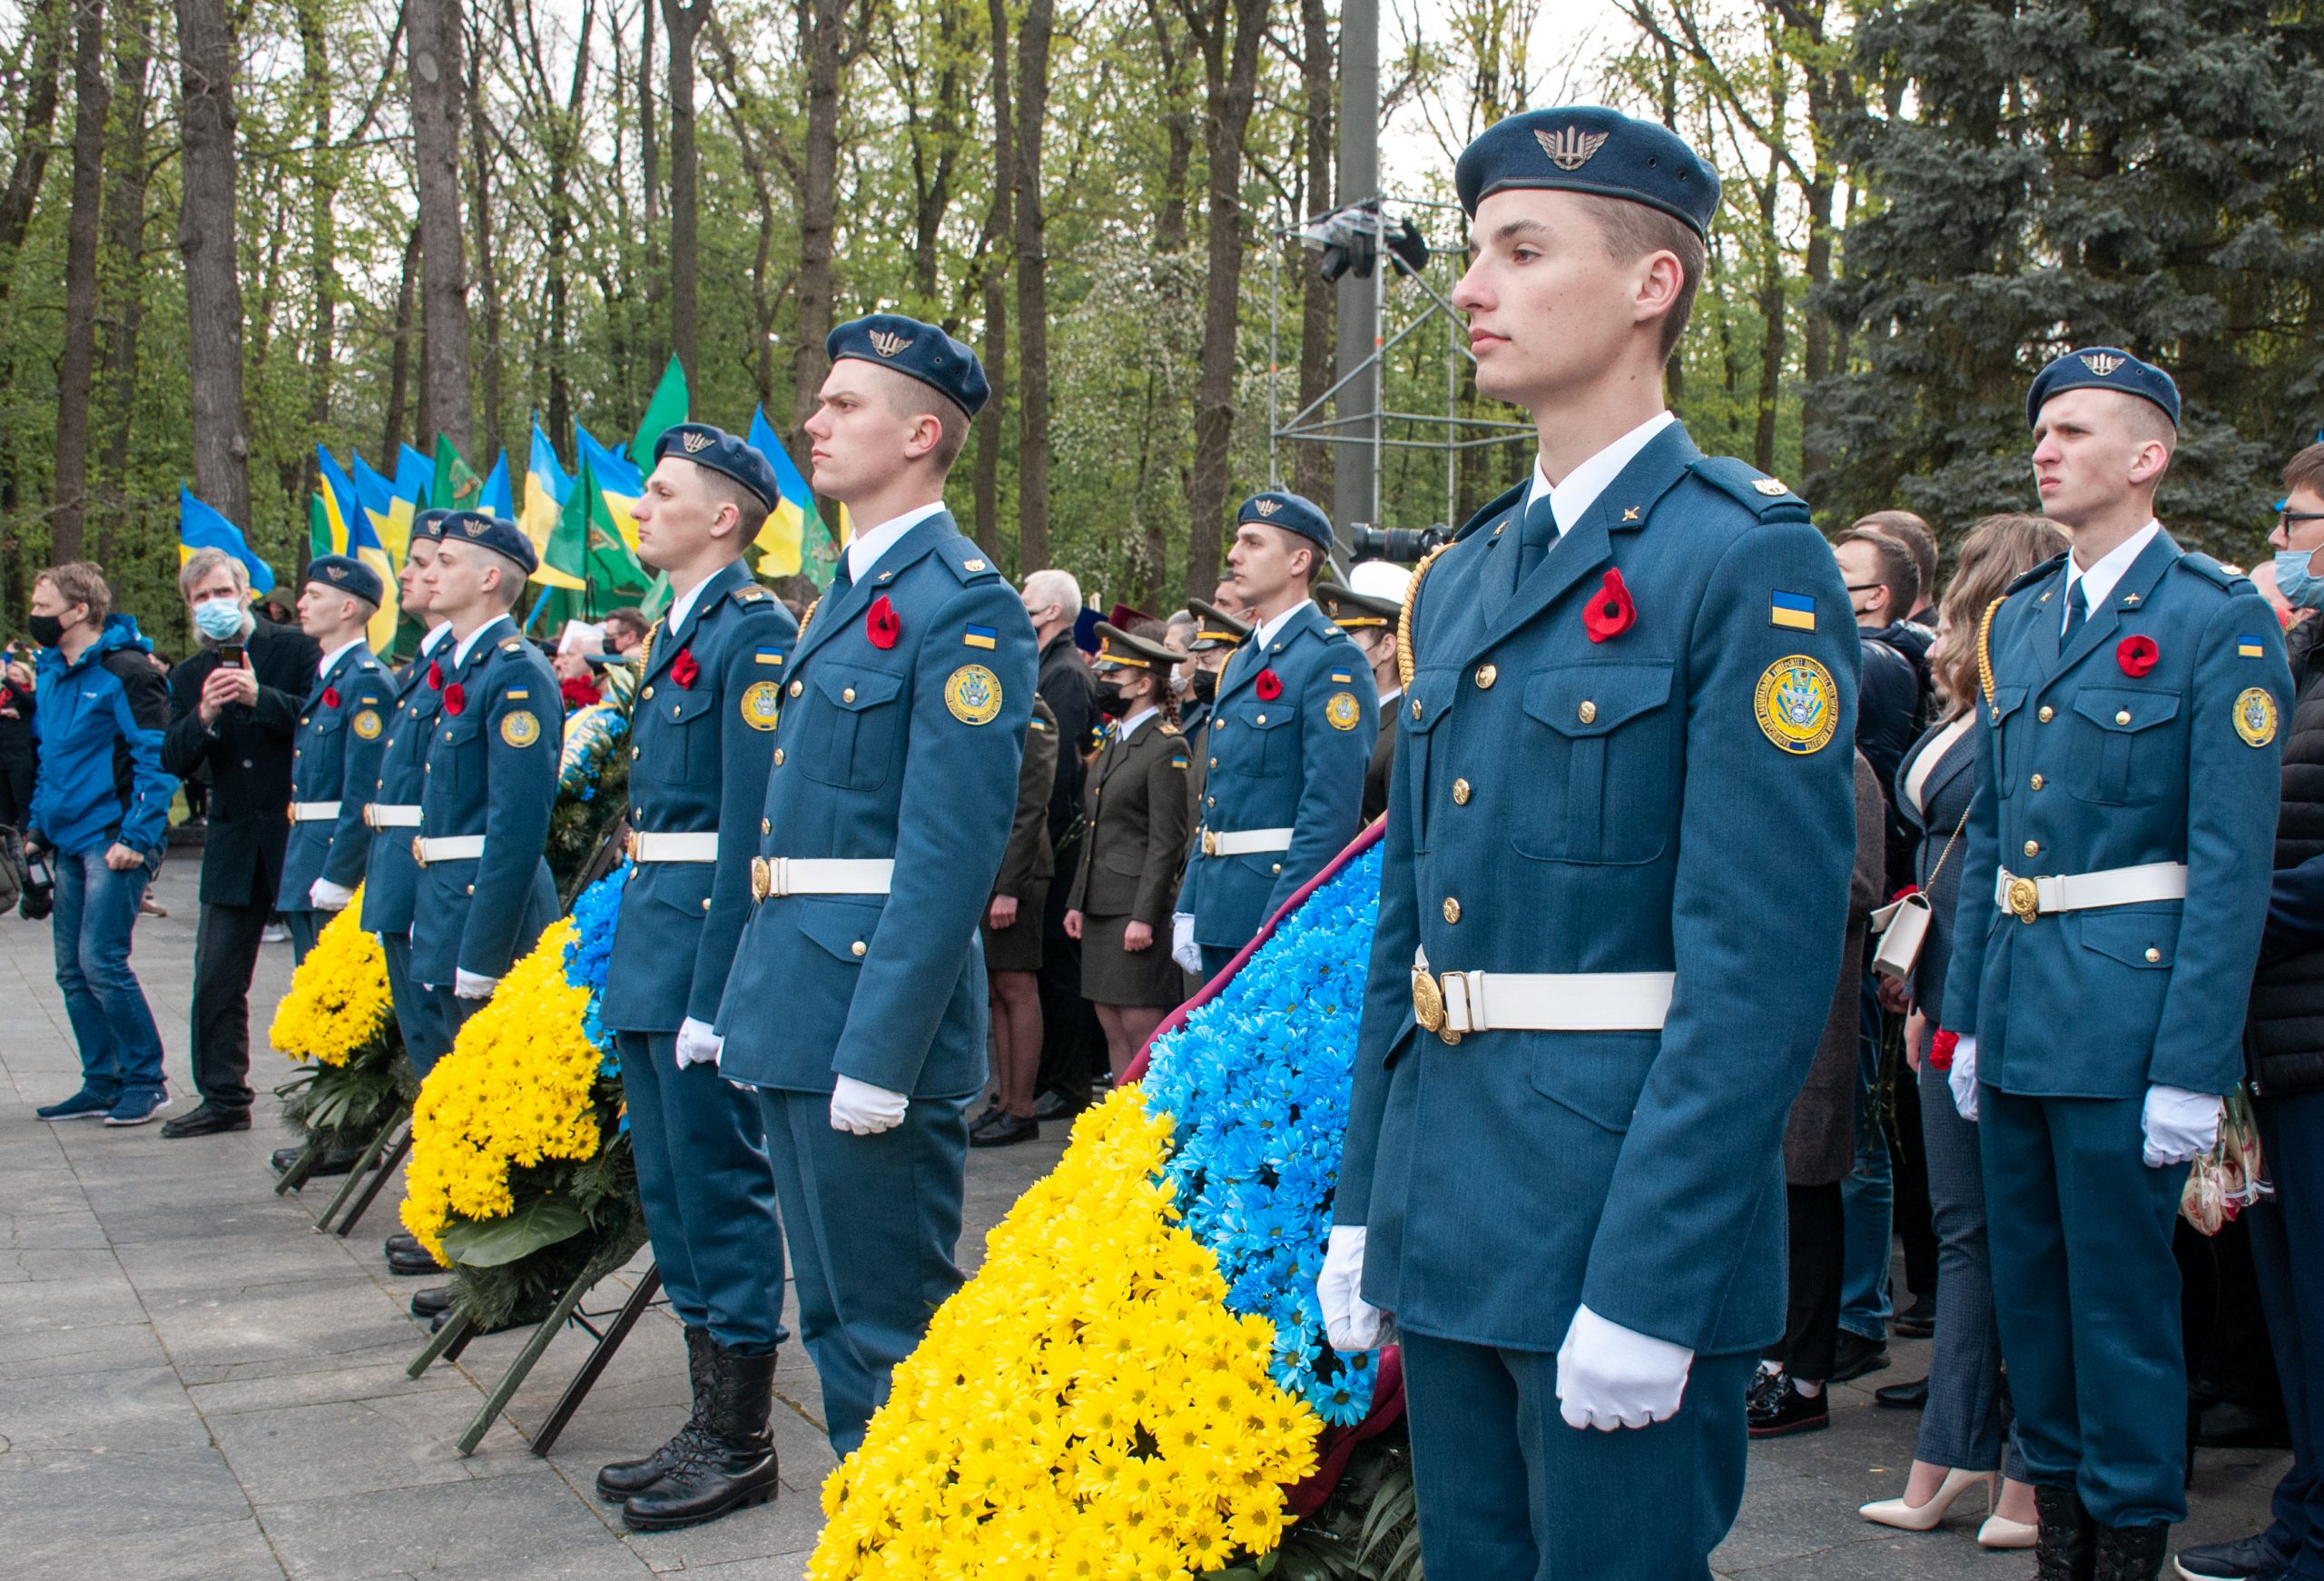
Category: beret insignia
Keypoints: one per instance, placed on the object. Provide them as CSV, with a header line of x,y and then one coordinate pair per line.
x,y
886,342
694,442
2101,363
1266,506
1570,147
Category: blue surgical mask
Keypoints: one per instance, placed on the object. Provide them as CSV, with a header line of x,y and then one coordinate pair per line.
x,y
2301,588
219,619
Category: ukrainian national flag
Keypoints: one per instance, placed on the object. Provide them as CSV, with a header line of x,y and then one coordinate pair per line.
x,y
363,543
498,499
201,527
415,477
793,542
546,490
618,481
340,502
1793,611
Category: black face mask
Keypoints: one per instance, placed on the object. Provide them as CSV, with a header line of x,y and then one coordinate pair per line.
x,y
48,631
1205,687
1110,701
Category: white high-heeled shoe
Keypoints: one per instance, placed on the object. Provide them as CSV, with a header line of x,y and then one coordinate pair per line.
x,y
2001,1531
1923,1518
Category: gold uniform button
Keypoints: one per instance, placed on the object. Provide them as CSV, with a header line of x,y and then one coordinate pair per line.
x,y
633,754
1210,801
2035,782
1416,708
794,688
1451,909
847,695
302,718
2033,847
1260,720
856,949
765,827
1589,711
2122,717
1460,792
778,758
706,903
471,889
2047,713
1486,676
1213,763
2153,954
648,694
1278,867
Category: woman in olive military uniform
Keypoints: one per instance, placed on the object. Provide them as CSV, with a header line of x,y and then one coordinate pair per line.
x,y
1137,810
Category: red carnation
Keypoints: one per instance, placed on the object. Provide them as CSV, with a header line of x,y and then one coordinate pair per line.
x,y
880,624
456,697
684,668
2136,655
1941,1047
435,676
330,696
1609,611
1269,685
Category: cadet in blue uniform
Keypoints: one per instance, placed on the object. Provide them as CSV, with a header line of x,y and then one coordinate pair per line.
x,y
856,1005
1290,731
2118,861
701,739
1619,835
489,782
343,726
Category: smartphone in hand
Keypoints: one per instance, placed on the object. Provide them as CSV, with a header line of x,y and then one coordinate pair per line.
x,y
230,655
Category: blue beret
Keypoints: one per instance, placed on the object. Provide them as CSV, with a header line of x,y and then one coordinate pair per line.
x,y
2103,368
429,525
1274,507
344,574
722,453
497,533
921,351
1587,149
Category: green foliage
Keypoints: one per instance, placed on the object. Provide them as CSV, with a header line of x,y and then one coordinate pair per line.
x,y
1367,1531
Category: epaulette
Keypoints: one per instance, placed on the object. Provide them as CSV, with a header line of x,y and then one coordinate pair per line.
x,y
967,560
513,645
2211,571
749,593
1492,511
1768,498
2035,574
1170,730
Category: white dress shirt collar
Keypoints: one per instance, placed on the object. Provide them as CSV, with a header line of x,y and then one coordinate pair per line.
x,y
434,637
2098,582
468,643
682,605
1128,728
1267,631
1570,499
864,550
336,654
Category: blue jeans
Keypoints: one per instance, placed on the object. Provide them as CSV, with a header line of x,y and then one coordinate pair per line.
x,y
1867,1196
121,1048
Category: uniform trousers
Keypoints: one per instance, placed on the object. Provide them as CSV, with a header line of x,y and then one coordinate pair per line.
x,y
419,1017
2086,1291
305,927
1508,1492
1214,960
708,1193
873,1221
226,942
2286,1229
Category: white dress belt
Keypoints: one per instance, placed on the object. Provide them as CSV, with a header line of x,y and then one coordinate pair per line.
x,y
2027,898
673,847
391,814
1244,841
313,812
446,849
1452,1004
775,876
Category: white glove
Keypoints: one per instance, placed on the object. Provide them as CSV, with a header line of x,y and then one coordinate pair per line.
x,y
2180,1125
863,1110
325,896
698,1044
467,984
1352,1322
1610,1377
1183,948
1963,1078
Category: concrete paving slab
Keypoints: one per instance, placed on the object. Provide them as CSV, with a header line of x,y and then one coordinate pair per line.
x,y
90,1497
131,1407
234,1550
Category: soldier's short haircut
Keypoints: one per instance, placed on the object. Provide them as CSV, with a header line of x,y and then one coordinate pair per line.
x,y
1632,231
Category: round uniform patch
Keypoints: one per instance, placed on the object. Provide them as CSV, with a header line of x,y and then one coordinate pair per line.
x,y
521,728
763,706
1341,712
367,724
1797,704
973,693
2255,716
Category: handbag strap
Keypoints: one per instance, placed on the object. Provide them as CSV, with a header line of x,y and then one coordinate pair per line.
x,y
1948,845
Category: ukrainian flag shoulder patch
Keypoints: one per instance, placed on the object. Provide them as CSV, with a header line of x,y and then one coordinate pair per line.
x,y
1793,611
769,655
980,636
2250,647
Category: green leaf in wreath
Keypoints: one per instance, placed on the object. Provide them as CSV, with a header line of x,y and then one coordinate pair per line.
x,y
491,1242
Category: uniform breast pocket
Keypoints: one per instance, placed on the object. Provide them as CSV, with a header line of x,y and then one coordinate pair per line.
x,y
852,731
457,750
691,718
1421,706
2001,713
1600,735
2126,742
1270,743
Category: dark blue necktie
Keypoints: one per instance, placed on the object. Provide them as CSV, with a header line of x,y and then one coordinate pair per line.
x,y
1533,541
2077,610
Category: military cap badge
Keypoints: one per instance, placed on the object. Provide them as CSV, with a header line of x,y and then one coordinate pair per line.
x,y
2103,363
886,342
695,442
1570,147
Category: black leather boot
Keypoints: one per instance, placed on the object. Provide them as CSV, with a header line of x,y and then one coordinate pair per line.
x,y
732,1465
2131,1553
623,1478
2067,1549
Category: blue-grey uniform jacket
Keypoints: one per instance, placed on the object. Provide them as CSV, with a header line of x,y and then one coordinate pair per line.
x,y
391,878
1294,760
699,754
2083,768
1678,797
342,730
491,770
909,752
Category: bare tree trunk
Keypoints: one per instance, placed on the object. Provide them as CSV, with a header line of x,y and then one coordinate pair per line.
x,y
999,223
45,29
649,156
490,439
76,369
121,279
563,152
682,22
1032,289
436,80
1170,278
822,25
213,287
323,267
399,358
1311,464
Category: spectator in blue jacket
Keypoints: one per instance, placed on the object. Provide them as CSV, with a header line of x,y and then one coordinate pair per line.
x,y
101,808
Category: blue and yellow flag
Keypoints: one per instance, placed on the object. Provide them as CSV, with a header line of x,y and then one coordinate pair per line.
x,y
363,543
201,527
793,542
337,492
618,481
546,490
498,498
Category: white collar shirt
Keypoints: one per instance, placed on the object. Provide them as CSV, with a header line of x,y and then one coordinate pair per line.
x,y
468,643
336,654
864,550
2098,581
1570,499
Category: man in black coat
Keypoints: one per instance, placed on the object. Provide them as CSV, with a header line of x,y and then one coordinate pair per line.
x,y
238,718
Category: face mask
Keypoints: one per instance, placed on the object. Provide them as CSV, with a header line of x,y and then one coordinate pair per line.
x,y
2301,589
47,630
1110,701
1205,687
218,619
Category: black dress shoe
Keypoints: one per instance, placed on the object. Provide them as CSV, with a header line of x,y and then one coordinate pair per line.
x,y
1060,1104
404,1264
1855,1356
1004,1130
1902,1396
285,1158
206,1120
1789,1411
1917,1321
619,1480
432,1302
732,1465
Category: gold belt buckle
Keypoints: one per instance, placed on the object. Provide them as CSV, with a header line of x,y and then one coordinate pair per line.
x,y
761,878
630,846
2024,900
368,822
1209,843
418,856
1428,1005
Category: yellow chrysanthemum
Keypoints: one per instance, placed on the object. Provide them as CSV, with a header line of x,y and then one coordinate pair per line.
x,y
338,1003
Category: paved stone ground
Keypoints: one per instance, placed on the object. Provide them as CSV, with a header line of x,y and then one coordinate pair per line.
x,y
194,1384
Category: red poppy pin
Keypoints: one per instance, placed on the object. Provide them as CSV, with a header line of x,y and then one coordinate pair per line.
x,y
456,697
1941,1047
1609,611
435,676
1269,685
2136,655
330,696
686,669
880,624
